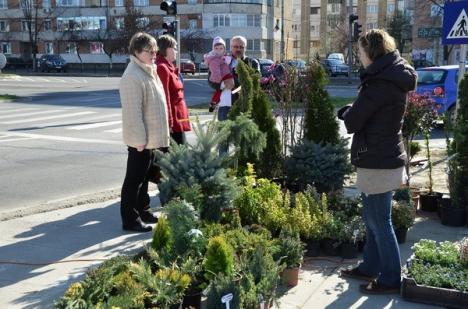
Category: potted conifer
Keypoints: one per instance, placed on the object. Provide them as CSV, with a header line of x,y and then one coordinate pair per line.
x,y
290,253
403,215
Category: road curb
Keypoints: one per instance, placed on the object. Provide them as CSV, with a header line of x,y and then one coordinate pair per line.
x,y
93,198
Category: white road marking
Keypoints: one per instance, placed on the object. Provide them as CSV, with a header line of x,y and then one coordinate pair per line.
x,y
31,114
43,79
16,110
82,120
94,125
47,118
62,138
114,130
15,139
27,78
58,80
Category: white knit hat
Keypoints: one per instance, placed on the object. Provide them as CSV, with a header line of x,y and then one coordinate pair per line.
x,y
218,40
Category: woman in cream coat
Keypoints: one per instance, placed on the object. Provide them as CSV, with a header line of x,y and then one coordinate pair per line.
x,y
145,128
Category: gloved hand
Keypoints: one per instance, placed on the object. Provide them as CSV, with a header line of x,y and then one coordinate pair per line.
x,y
342,111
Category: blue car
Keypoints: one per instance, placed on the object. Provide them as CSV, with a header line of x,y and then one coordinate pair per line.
x,y
441,83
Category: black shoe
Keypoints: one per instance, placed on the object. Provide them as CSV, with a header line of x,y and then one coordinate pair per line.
x,y
211,109
139,227
355,273
374,287
148,217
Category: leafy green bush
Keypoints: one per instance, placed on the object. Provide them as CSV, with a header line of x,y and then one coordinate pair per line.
x,y
323,166
291,249
299,218
403,214
219,258
453,277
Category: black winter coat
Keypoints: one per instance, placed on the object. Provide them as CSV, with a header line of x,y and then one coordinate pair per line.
x,y
376,117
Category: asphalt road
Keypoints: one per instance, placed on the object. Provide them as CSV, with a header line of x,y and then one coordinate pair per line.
x,y
62,139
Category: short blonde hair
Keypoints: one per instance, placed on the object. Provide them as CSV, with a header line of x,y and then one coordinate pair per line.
x,y
376,43
141,41
239,38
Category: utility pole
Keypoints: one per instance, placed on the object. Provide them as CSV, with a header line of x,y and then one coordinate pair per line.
x,y
350,39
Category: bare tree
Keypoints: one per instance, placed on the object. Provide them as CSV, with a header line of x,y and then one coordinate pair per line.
x,y
112,39
399,28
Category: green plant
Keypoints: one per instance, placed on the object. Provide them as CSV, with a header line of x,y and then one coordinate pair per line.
x,y
291,249
299,218
219,258
446,253
243,105
220,286
460,164
402,194
453,277
188,165
162,236
403,214
181,218
320,125
353,229
324,166
464,251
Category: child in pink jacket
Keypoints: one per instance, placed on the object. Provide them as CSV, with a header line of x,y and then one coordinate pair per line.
x,y
220,76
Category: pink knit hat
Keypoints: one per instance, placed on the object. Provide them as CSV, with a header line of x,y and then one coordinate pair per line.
x,y
218,40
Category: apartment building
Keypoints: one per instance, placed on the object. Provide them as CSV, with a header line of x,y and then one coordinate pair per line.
x,y
321,26
71,27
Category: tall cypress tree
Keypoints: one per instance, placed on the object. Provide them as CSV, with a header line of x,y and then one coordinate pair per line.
x,y
320,123
243,105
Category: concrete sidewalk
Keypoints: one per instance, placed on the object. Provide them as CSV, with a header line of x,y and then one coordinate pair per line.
x,y
42,254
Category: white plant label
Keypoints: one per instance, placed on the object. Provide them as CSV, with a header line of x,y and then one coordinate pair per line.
x,y
226,299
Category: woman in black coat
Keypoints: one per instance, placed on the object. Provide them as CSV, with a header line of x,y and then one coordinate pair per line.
x,y
378,153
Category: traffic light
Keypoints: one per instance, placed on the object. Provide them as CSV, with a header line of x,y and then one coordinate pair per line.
x,y
170,28
356,31
352,18
170,7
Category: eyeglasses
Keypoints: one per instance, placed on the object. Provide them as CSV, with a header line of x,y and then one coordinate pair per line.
x,y
152,52
238,46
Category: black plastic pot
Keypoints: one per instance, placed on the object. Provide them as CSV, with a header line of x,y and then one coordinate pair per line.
x,y
349,250
192,300
330,247
312,248
176,306
428,202
452,216
361,245
401,235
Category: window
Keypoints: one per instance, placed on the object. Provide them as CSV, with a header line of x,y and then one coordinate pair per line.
x,y
24,25
314,11
371,26
81,23
192,24
70,48
334,8
46,4
47,25
253,20
142,22
140,2
3,5
49,47
192,2
119,2
96,48
4,26
296,44
119,23
6,48
253,44
390,8
372,8
68,3
221,21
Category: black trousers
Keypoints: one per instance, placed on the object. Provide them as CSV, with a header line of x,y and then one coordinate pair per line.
x,y
179,137
135,199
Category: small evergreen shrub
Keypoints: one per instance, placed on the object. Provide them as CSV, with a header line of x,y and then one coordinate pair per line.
x,y
324,166
219,258
460,164
219,287
181,218
162,237
291,249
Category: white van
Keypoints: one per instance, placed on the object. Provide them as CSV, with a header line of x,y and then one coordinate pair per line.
x,y
337,56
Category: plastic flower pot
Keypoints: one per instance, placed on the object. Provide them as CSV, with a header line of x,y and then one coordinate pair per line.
x,y
312,248
401,235
452,216
349,250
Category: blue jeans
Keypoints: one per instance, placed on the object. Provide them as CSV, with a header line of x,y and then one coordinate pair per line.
x,y
381,252
223,112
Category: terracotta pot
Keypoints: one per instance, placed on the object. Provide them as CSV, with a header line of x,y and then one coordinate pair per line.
x,y
290,276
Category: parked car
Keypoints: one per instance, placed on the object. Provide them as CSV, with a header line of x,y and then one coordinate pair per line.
x,y
335,67
187,66
336,56
441,83
265,66
47,63
203,67
300,65
14,63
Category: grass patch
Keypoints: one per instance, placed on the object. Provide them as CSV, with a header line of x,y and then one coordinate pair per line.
x,y
340,102
8,97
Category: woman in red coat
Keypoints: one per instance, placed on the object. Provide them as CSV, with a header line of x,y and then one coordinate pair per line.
x,y
173,88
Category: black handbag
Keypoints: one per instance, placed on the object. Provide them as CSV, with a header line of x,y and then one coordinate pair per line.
x,y
154,173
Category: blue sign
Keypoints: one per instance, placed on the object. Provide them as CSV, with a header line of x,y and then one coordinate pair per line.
x,y
455,23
